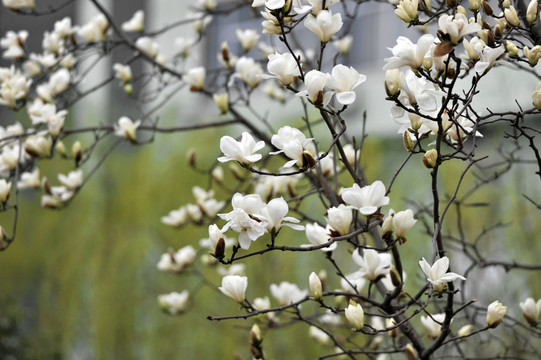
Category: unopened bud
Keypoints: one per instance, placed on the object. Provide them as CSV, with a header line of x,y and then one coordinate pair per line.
x,y
390,323
60,148
315,286
487,9
532,12
475,4
465,330
308,160
392,82
128,89
462,10
511,16
511,48
45,185
430,158
190,155
408,143
222,102
411,353
219,251
76,151
218,174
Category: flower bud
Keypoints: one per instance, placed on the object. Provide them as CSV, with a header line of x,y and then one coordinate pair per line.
x,y
219,251
315,286
511,16
532,12
255,342
536,97
495,313
487,9
531,310
392,82
430,158
465,330
408,143
60,148
475,4
76,151
5,188
222,101
218,174
128,89
190,155
511,48
461,10
355,315
533,55
387,226
411,353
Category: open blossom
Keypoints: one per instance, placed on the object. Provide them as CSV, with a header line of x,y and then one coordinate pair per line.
x,y
354,282
248,71
366,199
248,38
487,58
339,219
343,81
531,310
73,180
282,67
14,86
343,44
196,78
292,142
58,82
473,47
372,263
274,213
324,25
242,218
29,180
13,43
437,274
175,218
147,46
401,222
495,313
234,286
455,129
174,303
126,128
417,92
177,261
406,53
242,151
317,5
433,324
318,235
123,73
315,81
135,24
457,26
95,30
286,293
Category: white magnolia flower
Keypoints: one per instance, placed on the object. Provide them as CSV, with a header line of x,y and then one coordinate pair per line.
x,y
196,78
282,67
366,199
487,58
242,151
63,28
248,38
123,73
38,146
317,6
292,142
248,71
242,218
401,222
286,293
56,122
58,82
135,24
73,180
532,12
13,43
324,25
318,235
457,26
531,310
234,286
18,4
274,213
417,92
316,287
433,324
175,218
235,269
343,80
406,53
355,315
372,263
14,86
147,46
29,180
315,81
339,218
95,30
177,261
354,282
126,128
174,302
495,313
406,10
5,188
319,335
182,46
437,274
456,130
473,47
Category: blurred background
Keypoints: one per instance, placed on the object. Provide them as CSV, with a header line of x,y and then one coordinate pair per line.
x,y
82,283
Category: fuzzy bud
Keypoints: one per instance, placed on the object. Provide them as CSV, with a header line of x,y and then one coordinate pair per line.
x,y
315,286
430,158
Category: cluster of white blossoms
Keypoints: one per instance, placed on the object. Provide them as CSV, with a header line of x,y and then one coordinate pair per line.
x,y
284,172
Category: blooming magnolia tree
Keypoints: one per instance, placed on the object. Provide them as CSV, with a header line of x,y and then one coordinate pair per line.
x,y
307,182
